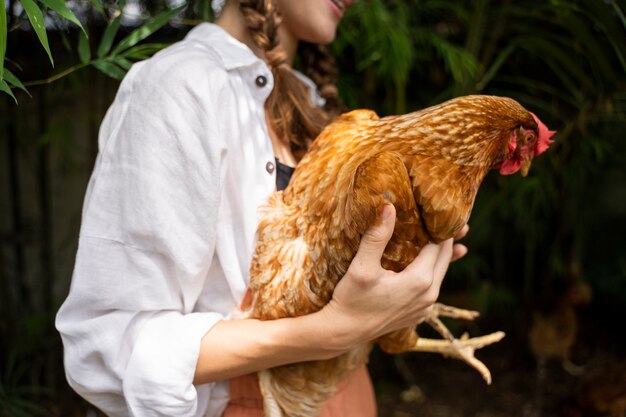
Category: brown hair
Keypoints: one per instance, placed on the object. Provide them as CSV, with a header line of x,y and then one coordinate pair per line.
x,y
294,117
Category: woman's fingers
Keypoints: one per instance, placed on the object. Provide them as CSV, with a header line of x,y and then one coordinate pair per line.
x,y
458,251
414,290
374,241
444,259
427,262
461,233
431,257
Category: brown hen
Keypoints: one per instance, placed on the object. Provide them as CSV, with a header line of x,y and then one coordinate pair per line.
x,y
429,164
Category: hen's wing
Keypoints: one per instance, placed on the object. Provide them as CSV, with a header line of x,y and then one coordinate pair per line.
x,y
381,178
444,192
421,202
384,178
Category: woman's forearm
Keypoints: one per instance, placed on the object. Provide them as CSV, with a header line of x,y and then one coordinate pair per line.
x,y
237,347
367,303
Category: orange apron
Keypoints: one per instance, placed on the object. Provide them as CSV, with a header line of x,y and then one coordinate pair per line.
x,y
354,397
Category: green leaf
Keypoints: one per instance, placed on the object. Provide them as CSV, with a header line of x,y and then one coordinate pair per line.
x,y
602,16
563,63
495,66
109,35
109,69
476,31
3,38
84,53
122,62
98,5
595,48
143,51
619,12
5,87
146,30
11,78
36,20
62,10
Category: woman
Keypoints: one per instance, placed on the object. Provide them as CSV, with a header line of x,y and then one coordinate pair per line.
x,y
188,151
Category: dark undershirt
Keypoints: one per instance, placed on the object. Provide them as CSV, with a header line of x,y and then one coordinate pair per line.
x,y
283,175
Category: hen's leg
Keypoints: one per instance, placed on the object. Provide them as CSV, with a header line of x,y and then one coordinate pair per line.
x,y
462,348
393,184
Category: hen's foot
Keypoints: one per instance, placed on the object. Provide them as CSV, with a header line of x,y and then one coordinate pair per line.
x,y
442,310
462,348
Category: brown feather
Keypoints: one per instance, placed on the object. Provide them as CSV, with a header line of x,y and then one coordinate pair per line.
x,y
429,164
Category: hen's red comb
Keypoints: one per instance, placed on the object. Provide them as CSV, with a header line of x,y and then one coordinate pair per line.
x,y
544,140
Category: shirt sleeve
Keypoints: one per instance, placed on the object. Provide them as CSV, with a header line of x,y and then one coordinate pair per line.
x,y
131,338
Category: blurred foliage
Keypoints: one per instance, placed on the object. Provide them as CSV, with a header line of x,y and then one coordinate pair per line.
x,y
15,397
112,60
563,59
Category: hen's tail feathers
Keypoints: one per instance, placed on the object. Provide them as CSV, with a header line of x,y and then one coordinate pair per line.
x,y
296,389
270,405
302,389
463,348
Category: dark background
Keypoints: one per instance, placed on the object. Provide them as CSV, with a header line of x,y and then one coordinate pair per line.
x,y
546,251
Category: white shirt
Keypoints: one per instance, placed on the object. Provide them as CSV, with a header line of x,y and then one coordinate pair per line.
x,y
168,226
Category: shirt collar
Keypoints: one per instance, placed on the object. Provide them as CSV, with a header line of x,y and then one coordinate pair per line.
x,y
233,53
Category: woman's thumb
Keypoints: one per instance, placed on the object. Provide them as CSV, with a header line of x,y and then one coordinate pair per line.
x,y
377,236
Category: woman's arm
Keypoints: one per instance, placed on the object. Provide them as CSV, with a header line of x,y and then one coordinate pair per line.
x,y
368,302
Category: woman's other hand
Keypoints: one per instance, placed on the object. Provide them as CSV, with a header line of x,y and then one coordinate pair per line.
x,y
371,301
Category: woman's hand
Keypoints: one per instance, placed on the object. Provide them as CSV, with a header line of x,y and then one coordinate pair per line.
x,y
371,301
459,250
368,302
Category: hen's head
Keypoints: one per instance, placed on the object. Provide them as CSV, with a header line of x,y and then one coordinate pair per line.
x,y
524,144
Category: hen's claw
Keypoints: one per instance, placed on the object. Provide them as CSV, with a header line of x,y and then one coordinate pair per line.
x,y
462,348
442,310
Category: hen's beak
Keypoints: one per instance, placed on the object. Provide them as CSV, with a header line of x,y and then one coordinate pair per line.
x,y
525,167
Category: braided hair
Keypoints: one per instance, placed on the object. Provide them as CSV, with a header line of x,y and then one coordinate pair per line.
x,y
293,116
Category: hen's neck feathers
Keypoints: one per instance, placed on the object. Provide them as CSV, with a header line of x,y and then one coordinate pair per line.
x,y
470,132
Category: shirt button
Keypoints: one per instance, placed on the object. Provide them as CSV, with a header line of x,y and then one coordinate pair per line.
x,y
269,167
260,81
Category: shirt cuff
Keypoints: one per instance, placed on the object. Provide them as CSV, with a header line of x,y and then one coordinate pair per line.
x,y
159,376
